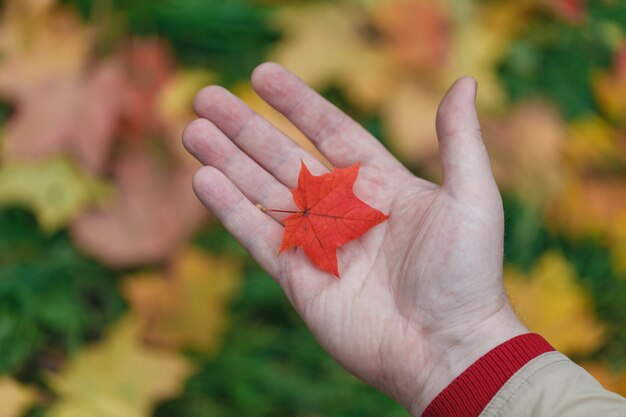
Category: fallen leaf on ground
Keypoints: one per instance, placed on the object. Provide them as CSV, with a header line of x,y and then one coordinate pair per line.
x,y
573,11
55,190
117,377
330,215
175,105
550,302
408,113
39,43
154,212
186,306
480,38
591,198
592,146
74,115
325,44
590,206
609,87
527,149
150,66
15,397
416,32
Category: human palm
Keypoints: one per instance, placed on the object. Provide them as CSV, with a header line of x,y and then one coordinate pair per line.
x,y
420,295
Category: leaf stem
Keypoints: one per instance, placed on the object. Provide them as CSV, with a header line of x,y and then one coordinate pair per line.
x,y
265,210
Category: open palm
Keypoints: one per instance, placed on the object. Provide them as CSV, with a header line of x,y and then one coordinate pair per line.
x,y
420,295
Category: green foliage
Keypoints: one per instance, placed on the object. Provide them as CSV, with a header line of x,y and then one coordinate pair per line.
x,y
5,110
556,61
51,296
525,235
608,11
230,37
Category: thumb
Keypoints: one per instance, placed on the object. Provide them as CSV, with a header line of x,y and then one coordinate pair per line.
x,y
466,168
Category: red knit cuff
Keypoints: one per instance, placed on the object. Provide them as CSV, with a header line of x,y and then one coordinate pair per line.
x,y
471,391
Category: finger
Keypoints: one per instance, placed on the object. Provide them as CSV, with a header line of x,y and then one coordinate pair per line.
x,y
274,151
256,231
211,147
466,167
342,140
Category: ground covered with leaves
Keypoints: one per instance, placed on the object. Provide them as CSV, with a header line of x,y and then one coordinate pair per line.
x,y
120,296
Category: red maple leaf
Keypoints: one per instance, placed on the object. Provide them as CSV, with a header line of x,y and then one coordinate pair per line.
x,y
330,215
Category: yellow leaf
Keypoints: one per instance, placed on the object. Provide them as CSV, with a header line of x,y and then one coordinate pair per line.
x,y
187,306
325,44
32,6
609,86
177,95
247,94
38,43
119,377
175,103
591,144
592,200
591,206
55,190
618,250
409,114
550,302
15,398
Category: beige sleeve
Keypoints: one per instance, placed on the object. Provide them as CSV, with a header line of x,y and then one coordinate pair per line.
x,y
551,385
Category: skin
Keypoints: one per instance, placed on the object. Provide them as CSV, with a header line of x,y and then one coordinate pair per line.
x,y
420,296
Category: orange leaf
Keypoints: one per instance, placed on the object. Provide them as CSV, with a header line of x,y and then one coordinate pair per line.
x,y
185,306
571,10
416,31
150,67
330,215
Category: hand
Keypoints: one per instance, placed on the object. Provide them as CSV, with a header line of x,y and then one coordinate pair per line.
x,y
420,296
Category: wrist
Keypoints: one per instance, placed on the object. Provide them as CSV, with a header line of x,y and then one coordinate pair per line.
x,y
454,351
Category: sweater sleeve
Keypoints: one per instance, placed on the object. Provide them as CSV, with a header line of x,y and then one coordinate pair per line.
x,y
525,377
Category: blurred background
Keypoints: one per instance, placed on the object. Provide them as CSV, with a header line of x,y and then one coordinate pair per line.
x,y
121,297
